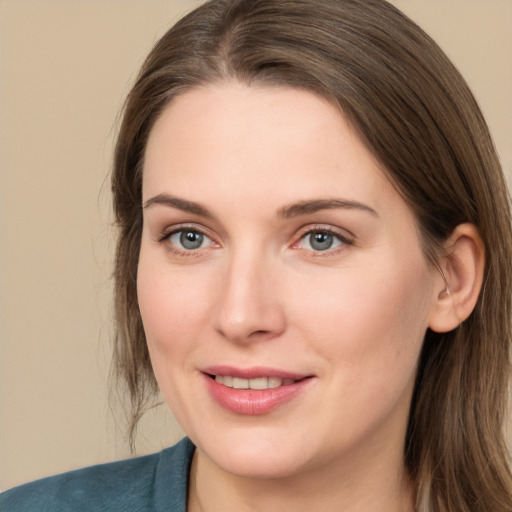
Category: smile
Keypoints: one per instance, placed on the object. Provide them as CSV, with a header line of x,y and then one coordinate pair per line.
x,y
254,391
256,383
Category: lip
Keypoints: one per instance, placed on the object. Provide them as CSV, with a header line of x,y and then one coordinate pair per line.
x,y
253,372
251,402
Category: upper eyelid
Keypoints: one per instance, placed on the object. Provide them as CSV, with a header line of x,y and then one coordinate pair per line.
x,y
346,240
344,234
205,238
171,230
166,226
164,239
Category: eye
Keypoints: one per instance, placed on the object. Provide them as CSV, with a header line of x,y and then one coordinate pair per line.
x,y
320,240
189,239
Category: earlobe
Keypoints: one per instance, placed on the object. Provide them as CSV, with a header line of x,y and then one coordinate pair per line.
x,y
460,283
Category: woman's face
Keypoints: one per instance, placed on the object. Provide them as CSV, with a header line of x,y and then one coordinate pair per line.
x,y
276,256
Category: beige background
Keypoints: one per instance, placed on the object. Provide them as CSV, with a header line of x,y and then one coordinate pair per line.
x,y
65,66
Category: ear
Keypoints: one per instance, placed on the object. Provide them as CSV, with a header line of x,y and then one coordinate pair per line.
x,y
456,292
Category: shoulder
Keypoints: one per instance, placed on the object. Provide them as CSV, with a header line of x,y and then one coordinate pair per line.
x,y
149,483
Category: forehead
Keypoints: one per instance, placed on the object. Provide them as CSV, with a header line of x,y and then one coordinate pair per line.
x,y
279,141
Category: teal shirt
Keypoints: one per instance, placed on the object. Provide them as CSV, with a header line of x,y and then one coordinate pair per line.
x,y
155,483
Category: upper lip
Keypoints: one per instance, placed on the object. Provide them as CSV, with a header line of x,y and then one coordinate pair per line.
x,y
253,372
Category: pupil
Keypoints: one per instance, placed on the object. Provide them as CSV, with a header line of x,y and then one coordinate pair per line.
x,y
321,241
191,239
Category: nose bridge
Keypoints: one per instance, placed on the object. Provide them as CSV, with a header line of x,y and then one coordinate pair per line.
x,y
249,306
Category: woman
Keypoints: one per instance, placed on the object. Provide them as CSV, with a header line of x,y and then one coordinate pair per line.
x,y
313,268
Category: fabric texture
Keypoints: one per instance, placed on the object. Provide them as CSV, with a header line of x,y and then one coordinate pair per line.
x,y
155,483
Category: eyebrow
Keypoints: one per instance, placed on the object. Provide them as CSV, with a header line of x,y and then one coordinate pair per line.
x,y
289,211
315,205
180,204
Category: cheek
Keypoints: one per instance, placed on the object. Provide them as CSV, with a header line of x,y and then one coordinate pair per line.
x,y
371,323
370,329
173,317
173,311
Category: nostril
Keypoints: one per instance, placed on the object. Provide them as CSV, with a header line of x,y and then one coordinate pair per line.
x,y
259,333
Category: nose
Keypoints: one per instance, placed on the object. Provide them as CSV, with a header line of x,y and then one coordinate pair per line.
x,y
250,308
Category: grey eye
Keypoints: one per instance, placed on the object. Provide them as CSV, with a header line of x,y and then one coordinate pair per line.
x,y
188,239
321,241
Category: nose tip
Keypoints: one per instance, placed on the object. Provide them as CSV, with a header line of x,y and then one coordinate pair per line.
x,y
248,329
250,309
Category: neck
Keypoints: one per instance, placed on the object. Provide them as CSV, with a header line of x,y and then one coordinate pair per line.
x,y
368,486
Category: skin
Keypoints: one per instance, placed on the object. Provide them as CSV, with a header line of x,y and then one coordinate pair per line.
x,y
257,293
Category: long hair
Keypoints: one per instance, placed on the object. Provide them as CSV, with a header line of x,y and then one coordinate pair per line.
x,y
415,113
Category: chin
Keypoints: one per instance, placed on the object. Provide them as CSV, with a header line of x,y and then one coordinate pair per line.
x,y
257,455
263,464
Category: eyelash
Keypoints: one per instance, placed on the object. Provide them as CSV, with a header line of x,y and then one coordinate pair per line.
x,y
173,249
343,240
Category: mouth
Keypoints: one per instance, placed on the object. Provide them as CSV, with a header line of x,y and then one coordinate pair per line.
x,y
258,383
254,391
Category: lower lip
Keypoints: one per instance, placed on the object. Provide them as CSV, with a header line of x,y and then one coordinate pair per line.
x,y
254,402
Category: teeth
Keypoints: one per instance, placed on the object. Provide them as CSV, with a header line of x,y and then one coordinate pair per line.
x,y
240,383
257,383
274,382
261,383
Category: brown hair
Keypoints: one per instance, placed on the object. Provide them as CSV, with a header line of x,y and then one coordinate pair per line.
x,y
416,114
